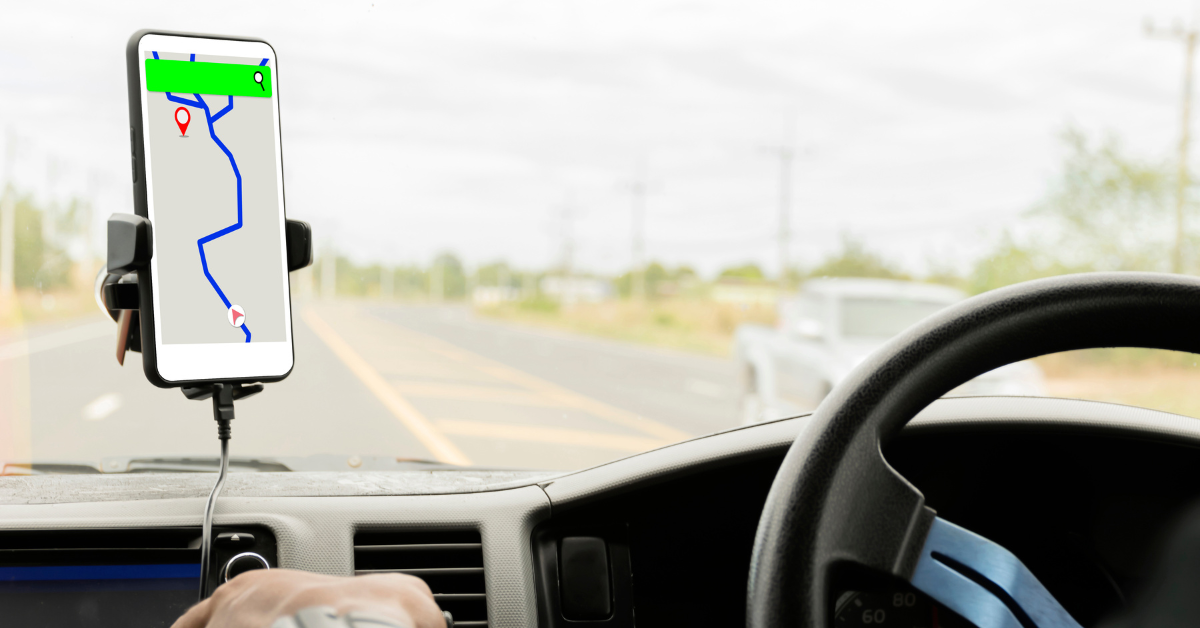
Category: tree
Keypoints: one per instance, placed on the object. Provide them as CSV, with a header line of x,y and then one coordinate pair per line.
x,y
660,280
854,260
1107,211
36,263
454,279
496,274
1012,263
748,271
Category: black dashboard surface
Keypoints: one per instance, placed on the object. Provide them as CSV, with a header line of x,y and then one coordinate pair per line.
x,y
1087,513
1084,509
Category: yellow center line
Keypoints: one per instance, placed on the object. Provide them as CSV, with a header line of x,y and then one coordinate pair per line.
x,y
554,392
488,394
433,440
550,435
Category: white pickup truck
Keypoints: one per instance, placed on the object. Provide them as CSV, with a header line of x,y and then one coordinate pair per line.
x,y
828,328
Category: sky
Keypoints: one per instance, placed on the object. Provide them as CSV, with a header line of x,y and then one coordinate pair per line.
x,y
516,130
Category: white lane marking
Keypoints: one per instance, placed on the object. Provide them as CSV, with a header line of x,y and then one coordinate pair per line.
x,y
101,407
58,339
704,389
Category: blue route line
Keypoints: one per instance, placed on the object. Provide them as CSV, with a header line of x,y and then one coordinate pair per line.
x,y
264,61
200,104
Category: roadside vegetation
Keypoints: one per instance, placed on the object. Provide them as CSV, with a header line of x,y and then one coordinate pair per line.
x,y
1105,210
48,281
688,324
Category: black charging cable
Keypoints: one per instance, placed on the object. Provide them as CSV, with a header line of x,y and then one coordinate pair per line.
x,y
223,396
223,413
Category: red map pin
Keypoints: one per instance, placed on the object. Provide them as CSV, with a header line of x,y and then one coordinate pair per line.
x,y
182,118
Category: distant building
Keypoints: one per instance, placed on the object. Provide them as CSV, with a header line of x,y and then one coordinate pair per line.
x,y
494,295
744,291
576,289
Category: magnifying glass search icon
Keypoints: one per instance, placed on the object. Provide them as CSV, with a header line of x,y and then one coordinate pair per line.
x,y
258,79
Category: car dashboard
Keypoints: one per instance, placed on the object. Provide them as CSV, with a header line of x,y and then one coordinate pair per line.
x,y
1082,492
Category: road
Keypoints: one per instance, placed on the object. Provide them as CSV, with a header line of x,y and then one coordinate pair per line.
x,y
429,382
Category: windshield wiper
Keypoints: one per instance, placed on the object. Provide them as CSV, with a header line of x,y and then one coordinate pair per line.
x,y
47,468
128,464
253,464
190,465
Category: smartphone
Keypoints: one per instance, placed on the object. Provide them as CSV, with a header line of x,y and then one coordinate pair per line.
x,y
215,303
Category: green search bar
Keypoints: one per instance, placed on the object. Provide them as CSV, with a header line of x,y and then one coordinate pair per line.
x,y
199,77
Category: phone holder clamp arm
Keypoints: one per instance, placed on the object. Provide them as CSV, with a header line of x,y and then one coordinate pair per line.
x,y
130,248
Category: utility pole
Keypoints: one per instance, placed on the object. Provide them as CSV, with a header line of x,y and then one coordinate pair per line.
x,y
503,279
786,155
1188,36
638,190
470,279
568,250
50,217
786,152
528,291
95,180
329,274
436,280
8,214
386,283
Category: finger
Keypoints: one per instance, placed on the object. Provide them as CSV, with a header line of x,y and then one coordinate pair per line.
x,y
196,616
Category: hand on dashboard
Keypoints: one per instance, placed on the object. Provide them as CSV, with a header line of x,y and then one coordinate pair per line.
x,y
257,598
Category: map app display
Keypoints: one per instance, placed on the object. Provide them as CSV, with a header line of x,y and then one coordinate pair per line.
x,y
214,188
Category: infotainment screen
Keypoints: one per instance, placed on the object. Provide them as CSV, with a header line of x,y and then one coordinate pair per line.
x,y
99,596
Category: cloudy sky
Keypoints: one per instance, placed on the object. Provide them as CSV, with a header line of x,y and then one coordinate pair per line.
x,y
922,128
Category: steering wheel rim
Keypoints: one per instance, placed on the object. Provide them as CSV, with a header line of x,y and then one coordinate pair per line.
x,y
835,500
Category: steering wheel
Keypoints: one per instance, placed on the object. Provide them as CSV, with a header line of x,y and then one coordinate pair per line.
x,y
836,502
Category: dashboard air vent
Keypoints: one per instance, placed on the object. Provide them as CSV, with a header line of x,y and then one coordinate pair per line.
x,y
451,563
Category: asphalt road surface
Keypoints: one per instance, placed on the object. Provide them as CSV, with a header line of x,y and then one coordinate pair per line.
x,y
426,382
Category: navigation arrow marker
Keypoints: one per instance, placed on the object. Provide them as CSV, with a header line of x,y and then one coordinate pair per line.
x,y
236,315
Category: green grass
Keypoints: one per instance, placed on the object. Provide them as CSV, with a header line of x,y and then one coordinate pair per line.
x,y
686,324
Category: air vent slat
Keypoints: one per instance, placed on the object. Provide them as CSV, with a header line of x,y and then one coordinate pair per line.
x,y
433,547
422,573
451,563
458,597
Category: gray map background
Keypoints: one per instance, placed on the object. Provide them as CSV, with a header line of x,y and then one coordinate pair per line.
x,y
195,194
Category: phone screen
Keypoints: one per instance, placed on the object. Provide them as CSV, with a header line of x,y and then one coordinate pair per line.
x,y
215,198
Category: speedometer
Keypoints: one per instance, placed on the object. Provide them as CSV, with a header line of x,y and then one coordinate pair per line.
x,y
893,608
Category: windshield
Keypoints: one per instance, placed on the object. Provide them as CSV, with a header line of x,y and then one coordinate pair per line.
x,y
881,319
549,235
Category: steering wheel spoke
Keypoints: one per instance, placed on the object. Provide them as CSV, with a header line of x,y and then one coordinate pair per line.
x,y
984,582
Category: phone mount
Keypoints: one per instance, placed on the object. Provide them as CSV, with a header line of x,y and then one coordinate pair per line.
x,y
130,249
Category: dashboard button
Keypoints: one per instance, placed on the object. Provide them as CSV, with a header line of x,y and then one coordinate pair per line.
x,y
238,539
584,579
